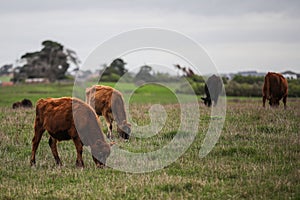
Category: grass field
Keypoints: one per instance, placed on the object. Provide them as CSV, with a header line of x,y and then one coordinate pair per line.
x,y
256,157
4,78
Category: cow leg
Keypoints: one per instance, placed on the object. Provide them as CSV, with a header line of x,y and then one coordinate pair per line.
x,y
109,132
216,101
79,148
53,146
284,101
109,125
264,101
38,133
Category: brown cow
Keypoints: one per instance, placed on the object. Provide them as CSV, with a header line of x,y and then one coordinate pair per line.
x,y
69,118
109,103
275,88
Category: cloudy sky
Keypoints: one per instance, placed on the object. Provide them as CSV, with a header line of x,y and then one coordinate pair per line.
x,y
238,35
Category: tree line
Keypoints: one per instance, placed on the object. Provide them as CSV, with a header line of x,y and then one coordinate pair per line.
x,y
53,61
247,86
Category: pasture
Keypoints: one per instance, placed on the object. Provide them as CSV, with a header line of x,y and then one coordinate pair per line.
x,y
256,157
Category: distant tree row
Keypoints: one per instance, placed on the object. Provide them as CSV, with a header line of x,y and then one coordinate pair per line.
x,y
116,70
248,79
251,86
53,60
248,86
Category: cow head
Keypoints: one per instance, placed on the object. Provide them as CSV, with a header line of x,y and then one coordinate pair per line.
x,y
206,101
274,102
100,152
17,105
124,129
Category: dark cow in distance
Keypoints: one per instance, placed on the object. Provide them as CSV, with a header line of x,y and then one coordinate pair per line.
x,y
274,89
213,88
25,103
109,103
69,118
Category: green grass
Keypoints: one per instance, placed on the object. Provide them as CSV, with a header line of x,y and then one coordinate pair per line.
x,y
256,157
5,78
141,95
11,94
153,94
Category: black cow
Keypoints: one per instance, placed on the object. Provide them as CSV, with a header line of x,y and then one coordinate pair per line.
x,y
213,89
25,103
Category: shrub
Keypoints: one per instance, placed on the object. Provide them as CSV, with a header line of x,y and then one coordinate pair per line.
x,y
294,88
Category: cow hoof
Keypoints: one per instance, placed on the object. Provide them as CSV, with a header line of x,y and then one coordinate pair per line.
x,y
32,163
59,166
79,164
100,166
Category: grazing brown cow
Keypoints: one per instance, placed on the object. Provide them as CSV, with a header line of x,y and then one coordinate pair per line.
x,y
213,89
25,103
109,103
69,118
275,88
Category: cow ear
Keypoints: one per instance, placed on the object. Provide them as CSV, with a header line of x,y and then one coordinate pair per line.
x,y
99,142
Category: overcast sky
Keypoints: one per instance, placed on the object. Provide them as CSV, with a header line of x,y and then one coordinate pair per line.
x,y
239,35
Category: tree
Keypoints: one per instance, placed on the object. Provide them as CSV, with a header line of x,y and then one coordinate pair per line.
x,y
6,69
144,75
196,81
114,71
50,62
116,67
